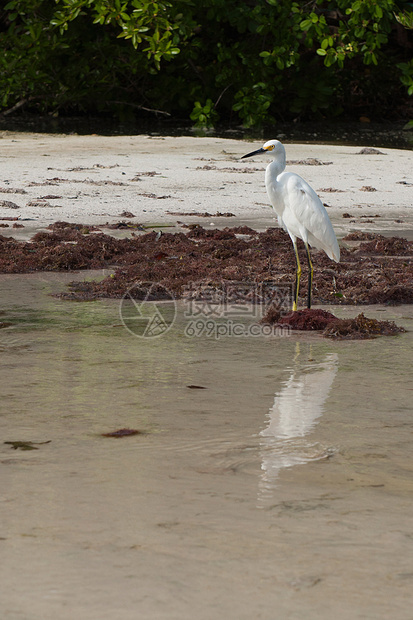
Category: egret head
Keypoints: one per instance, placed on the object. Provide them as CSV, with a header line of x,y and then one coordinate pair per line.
x,y
272,146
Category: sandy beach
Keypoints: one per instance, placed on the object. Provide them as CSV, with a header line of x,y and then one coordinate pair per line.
x,y
95,179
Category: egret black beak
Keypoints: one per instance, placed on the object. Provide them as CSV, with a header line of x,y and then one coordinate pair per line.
x,y
261,150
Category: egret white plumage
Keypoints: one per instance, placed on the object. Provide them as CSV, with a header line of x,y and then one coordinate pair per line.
x,y
300,211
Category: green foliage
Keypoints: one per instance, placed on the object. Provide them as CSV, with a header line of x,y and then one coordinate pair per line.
x,y
252,104
204,115
256,61
155,27
405,19
406,69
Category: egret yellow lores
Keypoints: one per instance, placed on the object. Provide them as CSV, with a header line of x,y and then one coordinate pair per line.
x,y
300,211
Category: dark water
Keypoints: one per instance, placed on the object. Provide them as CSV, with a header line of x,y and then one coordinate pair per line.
x,y
385,135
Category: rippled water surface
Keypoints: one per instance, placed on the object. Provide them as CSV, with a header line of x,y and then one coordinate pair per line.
x,y
283,489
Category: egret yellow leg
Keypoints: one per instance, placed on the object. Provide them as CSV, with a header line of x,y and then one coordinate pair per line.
x,y
310,276
297,278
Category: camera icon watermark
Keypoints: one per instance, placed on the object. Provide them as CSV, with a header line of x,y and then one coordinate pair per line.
x,y
148,310
228,308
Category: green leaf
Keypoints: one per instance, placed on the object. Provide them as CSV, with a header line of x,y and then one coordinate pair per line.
x,y
378,11
306,24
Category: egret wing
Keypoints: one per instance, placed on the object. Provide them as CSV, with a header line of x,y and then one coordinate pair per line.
x,y
305,216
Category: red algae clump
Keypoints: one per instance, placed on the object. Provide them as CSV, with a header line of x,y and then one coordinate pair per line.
x,y
316,319
361,328
309,319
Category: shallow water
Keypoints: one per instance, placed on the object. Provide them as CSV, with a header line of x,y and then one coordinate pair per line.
x,y
284,489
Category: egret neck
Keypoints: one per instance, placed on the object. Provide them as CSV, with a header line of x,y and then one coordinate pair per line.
x,y
274,189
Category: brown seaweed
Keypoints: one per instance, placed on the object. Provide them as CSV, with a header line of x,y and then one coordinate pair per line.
x,y
378,270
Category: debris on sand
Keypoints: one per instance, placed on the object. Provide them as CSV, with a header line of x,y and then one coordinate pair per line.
x,y
41,203
330,190
68,231
124,225
200,214
8,204
12,190
368,150
26,445
310,161
123,432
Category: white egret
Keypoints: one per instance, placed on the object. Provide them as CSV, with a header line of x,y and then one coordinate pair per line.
x,y
300,211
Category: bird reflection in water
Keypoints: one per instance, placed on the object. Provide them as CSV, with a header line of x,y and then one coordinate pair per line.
x,y
296,409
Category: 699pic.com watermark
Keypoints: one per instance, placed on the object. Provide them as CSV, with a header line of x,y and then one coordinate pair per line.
x,y
234,309
226,309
